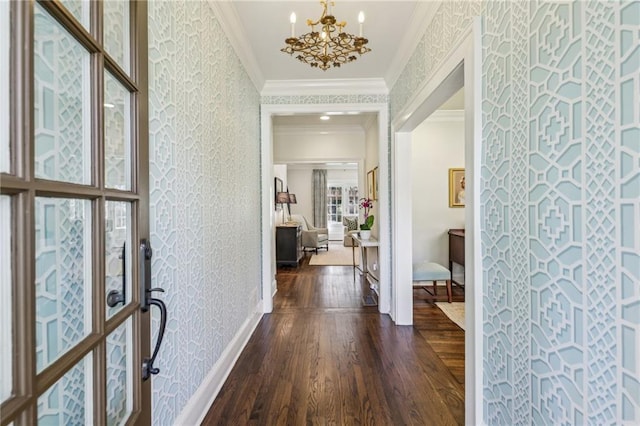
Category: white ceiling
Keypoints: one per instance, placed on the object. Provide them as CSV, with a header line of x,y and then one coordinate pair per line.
x,y
258,28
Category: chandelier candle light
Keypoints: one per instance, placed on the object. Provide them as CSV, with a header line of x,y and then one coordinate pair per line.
x,y
331,45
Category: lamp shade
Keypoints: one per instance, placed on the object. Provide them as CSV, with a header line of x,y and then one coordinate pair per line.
x,y
292,199
282,197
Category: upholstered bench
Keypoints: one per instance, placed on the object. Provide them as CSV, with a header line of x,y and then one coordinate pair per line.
x,y
431,271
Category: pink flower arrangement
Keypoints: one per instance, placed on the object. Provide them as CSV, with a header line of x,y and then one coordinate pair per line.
x,y
366,204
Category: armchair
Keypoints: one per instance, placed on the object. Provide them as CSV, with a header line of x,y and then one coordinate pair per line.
x,y
312,237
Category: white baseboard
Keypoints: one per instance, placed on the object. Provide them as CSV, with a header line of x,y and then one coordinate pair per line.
x,y
198,405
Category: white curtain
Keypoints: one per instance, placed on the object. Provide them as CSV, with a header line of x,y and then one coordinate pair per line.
x,y
320,198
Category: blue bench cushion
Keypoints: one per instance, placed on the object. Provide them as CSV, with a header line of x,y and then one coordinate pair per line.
x,y
430,271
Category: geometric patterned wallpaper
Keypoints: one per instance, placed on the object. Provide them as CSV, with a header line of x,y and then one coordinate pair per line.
x,y
560,205
205,195
560,212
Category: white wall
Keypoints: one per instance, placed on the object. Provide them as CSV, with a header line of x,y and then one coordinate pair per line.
x,y
300,183
437,145
300,144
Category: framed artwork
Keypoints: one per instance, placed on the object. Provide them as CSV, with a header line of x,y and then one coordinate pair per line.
x,y
279,187
375,183
371,182
456,187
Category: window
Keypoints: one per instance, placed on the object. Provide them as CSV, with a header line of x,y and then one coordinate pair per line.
x,y
342,199
351,207
334,204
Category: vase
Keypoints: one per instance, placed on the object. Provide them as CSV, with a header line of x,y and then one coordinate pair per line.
x,y
365,235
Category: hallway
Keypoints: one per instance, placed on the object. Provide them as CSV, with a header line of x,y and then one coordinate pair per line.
x,y
322,358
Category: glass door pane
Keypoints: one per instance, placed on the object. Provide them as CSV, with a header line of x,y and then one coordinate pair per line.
x,y
62,103
6,342
4,85
334,203
119,380
116,31
117,134
118,254
80,9
63,276
70,400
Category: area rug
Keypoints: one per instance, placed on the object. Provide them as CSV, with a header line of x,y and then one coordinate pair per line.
x,y
455,311
337,255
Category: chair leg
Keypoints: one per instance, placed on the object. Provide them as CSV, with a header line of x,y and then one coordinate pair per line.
x,y
449,295
435,288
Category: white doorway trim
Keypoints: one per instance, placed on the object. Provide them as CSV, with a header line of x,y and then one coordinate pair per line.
x,y
462,67
268,285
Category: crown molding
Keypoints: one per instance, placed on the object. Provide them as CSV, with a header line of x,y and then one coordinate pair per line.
x,y
348,86
231,24
424,14
316,129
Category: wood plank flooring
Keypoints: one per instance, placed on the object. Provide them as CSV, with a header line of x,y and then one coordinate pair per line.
x,y
322,358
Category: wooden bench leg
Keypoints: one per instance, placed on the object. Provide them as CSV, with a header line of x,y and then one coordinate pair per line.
x,y
449,295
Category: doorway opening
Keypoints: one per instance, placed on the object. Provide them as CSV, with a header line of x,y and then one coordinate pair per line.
x,y
271,115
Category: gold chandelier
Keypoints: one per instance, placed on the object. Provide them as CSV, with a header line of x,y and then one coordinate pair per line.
x,y
329,46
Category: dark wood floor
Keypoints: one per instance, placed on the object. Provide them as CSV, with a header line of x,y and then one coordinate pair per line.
x,y
322,358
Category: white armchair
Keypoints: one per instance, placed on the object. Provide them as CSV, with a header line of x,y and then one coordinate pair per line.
x,y
312,237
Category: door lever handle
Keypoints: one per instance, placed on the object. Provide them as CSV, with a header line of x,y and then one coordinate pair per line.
x,y
147,363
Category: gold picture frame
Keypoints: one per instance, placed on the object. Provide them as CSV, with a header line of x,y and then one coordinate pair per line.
x,y
457,185
375,183
370,184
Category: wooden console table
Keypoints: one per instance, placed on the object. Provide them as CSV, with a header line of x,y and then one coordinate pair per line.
x,y
456,250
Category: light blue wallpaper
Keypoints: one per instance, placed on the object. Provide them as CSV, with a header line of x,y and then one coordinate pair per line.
x,y
205,195
559,77
560,207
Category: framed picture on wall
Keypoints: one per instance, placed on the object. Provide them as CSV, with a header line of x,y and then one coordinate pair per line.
x,y
375,183
456,188
371,182
279,187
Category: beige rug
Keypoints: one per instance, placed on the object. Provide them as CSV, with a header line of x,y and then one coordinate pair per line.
x,y
337,255
455,311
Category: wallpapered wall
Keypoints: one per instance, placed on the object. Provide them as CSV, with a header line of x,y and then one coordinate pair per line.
x,y
561,208
205,194
560,204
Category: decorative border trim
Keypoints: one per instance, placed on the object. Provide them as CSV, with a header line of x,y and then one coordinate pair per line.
x,y
231,25
202,399
347,86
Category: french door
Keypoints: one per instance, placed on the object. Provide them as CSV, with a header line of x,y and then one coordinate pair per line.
x,y
73,212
